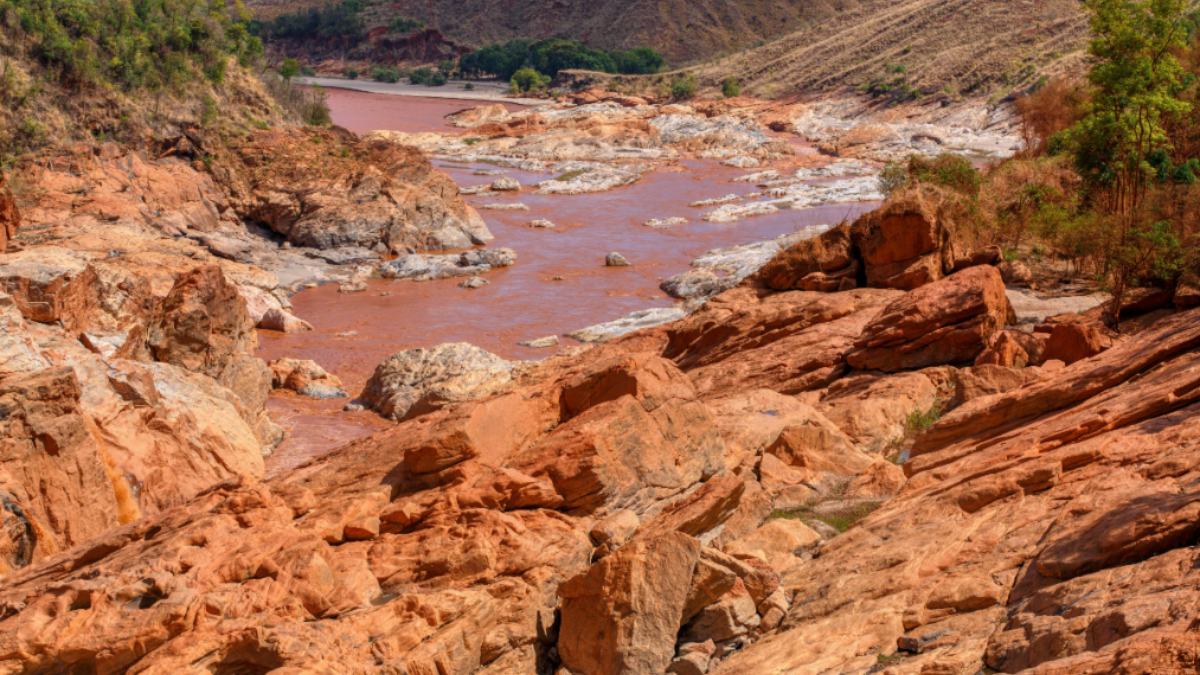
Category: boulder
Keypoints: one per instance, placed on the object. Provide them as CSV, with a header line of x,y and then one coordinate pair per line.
x,y
423,267
283,321
946,322
908,242
827,263
1072,341
615,259
623,614
306,378
418,381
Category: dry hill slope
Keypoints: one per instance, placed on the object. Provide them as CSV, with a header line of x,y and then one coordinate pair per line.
x,y
956,46
684,30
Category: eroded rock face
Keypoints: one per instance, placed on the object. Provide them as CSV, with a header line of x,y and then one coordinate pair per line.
x,y
950,321
623,614
417,381
1074,490
10,216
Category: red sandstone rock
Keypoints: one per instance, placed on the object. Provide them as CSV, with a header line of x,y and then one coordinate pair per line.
x,y
950,321
623,615
10,216
827,262
1073,341
907,243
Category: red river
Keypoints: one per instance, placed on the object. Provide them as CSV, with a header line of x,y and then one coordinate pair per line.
x,y
559,283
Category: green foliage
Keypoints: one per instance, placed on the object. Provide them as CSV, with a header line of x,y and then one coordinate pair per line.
x,y
639,61
684,88
350,73
946,170
133,44
404,25
527,80
389,74
427,76
337,21
550,56
289,69
1137,82
920,420
731,87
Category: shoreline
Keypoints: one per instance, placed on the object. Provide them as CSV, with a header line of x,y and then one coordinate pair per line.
x,y
484,91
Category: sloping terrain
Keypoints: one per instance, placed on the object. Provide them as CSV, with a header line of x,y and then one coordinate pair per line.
x,y
684,31
956,47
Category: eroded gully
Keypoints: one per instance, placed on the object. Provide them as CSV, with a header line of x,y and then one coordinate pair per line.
x,y
559,283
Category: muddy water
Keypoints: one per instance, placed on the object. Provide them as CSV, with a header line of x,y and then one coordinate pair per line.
x,y
361,112
558,285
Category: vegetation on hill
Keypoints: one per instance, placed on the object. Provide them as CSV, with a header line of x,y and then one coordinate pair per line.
x,y
136,71
548,57
1108,185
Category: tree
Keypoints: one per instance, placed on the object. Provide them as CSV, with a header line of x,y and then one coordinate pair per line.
x,y
1137,84
289,69
528,79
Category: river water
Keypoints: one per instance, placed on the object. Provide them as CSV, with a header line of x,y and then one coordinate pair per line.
x,y
559,283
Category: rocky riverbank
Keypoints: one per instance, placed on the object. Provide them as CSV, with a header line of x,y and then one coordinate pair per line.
x,y
856,459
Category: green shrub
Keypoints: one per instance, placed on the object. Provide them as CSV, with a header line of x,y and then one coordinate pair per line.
x,y
387,74
684,88
920,420
528,79
350,74
731,87
427,76
289,69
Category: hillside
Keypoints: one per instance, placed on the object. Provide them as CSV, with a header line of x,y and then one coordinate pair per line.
x,y
685,31
956,47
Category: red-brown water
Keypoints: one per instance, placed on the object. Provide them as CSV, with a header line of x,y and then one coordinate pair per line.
x,y
559,283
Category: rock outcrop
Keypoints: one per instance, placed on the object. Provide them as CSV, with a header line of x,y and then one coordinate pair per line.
x,y
325,189
908,242
418,381
10,216
947,322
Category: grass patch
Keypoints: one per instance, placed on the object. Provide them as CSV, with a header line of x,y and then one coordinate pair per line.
x,y
920,420
840,519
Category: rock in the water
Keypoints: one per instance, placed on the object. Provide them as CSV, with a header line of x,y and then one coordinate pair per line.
x,y
946,322
305,377
634,321
506,184
542,224
423,267
473,283
615,259
418,381
542,342
281,320
623,614
663,223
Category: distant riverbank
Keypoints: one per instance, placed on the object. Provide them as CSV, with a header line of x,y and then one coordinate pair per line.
x,y
481,91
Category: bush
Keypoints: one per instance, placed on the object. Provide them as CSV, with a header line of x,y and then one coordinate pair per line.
x,y
684,88
350,74
150,44
528,79
336,22
404,25
387,74
427,76
640,61
731,87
